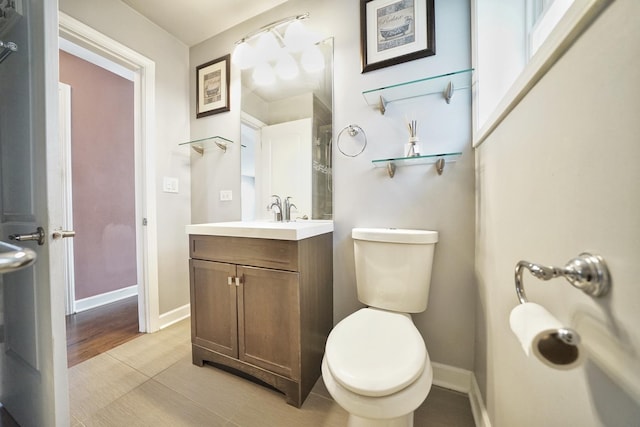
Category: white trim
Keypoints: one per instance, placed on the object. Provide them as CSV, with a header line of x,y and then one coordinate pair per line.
x,y
144,83
251,121
42,27
451,377
545,24
174,316
577,19
105,298
478,408
92,57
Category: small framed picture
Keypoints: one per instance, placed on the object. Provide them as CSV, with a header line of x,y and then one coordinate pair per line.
x,y
212,87
395,31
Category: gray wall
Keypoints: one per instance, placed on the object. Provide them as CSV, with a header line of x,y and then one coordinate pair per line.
x,y
558,177
417,197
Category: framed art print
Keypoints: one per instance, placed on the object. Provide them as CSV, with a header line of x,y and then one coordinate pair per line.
x,y
395,31
212,87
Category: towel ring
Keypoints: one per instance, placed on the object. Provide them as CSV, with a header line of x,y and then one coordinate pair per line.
x,y
353,130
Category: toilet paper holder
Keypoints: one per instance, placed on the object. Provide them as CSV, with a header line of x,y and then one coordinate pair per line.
x,y
587,272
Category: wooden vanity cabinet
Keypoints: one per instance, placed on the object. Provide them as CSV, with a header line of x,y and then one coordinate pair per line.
x,y
263,307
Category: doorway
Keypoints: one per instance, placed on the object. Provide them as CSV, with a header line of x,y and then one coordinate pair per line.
x,y
99,168
143,71
97,141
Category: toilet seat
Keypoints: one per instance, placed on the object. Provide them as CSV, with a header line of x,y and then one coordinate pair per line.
x,y
375,352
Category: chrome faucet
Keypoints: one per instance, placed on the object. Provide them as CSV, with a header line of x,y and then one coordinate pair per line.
x,y
276,207
287,208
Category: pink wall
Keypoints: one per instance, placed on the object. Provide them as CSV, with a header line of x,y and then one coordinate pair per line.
x,y
102,139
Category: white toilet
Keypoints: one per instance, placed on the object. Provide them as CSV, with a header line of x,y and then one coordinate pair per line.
x,y
376,364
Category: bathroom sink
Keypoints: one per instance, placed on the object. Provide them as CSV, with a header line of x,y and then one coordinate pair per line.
x,y
294,230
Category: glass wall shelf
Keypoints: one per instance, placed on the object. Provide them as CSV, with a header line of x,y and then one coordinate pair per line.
x,y
446,84
199,145
438,159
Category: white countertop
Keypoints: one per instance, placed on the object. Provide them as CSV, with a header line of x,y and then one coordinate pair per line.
x,y
294,230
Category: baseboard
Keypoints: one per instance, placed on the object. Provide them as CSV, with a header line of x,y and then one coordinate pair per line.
x,y
451,377
174,316
465,382
478,408
106,298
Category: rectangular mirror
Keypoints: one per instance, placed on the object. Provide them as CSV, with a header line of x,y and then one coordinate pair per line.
x,y
286,137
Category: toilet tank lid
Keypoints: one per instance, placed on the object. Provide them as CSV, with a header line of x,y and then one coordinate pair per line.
x,y
395,235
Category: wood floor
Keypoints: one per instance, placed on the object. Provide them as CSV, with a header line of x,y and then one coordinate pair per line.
x,y
100,329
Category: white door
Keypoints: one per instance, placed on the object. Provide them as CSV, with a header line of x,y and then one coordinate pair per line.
x,y
285,164
33,350
64,132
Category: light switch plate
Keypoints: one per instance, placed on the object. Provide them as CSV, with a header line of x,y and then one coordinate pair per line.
x,y
226,195
170,184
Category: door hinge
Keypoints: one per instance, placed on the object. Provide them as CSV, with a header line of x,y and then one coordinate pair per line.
x,y
144,222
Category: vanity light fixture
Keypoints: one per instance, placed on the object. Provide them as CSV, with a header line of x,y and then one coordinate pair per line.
x,y
280,48
287,67
263,74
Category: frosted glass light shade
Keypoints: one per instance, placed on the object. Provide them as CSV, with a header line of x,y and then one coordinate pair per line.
x,y
267,46
296,36
286,67
243,56
263,75
312,60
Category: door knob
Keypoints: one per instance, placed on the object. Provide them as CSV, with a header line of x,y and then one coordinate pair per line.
x,y
39,236
61,234
14,258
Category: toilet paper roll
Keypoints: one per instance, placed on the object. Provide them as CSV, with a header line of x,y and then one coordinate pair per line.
x,y
537,330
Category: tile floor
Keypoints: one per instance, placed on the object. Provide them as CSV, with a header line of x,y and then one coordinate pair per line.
x,y
150,381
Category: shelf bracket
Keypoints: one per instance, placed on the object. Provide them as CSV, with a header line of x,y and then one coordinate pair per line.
x,y
440,166
221,146
200,148
448,92
382,105
391,169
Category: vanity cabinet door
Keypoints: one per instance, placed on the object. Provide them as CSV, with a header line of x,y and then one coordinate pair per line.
x,y
269,319
214,311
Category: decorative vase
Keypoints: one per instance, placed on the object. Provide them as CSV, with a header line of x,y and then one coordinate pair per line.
x,y
413,149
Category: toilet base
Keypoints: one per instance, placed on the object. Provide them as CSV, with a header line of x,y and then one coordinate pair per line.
x,y
403,421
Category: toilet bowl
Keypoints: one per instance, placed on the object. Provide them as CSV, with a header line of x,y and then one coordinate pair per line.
x,y
376,365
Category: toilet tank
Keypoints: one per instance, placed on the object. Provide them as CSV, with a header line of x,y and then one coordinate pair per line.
x,y
393,267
